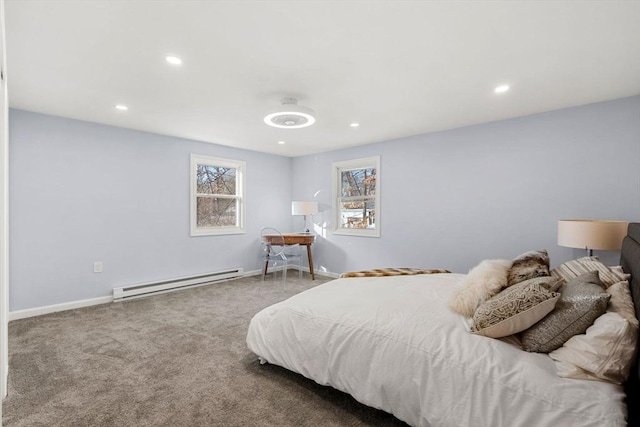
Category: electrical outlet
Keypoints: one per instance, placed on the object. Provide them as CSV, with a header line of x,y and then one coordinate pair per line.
x,y
97,267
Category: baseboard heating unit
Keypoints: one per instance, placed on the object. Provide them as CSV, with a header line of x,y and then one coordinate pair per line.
x,y
146,289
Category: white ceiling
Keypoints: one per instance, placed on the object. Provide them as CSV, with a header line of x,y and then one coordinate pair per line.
x,y
399,68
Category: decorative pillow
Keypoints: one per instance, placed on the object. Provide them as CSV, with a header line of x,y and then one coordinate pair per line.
x,y
549,283
529,265
483,281
621,302
617,269
513,310
576,267
607,350
582,301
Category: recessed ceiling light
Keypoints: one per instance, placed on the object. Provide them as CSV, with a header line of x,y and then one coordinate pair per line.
x,y
174,60
122,107
281,142
354,125
501,89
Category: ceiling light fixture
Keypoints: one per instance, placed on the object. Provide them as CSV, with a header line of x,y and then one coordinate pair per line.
x,y
501,89
290,115
281,142
354,125
173,60
122,107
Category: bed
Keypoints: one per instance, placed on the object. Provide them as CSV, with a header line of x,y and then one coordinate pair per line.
x,y
393,344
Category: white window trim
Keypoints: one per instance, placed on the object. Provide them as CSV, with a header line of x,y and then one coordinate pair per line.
x,y
240,167
363,163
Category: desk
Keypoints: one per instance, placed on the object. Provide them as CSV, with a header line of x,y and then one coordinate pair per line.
x,y
302,239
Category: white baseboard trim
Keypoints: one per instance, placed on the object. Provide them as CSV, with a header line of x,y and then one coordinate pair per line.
x,y
317,272
328,274
5,375
278,268
38,311
293,267
252,273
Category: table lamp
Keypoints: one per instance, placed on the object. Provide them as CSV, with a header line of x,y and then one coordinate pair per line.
x,y
591,234
304,208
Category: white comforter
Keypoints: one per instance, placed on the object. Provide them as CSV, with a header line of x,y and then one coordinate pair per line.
x,y
392,343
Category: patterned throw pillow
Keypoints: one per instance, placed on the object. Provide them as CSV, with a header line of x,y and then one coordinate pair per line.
x,y
529,265
583,300
548,282
513,310
576,267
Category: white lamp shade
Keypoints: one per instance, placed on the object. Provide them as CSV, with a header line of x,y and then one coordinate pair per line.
x,y
304,208
591,234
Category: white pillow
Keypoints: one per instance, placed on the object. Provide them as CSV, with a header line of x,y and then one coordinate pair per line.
x,y
606,351
621,302
617,269
483,281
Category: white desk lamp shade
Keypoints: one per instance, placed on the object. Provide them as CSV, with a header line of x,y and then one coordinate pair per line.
x,y
304,208
591,234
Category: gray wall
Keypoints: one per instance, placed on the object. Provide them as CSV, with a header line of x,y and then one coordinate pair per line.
x,y
82,192
453,198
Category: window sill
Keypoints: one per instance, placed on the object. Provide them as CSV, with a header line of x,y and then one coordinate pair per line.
x,y
216,231
357,232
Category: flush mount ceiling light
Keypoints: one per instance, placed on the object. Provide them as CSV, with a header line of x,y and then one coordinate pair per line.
x,y
290,115
173,60
501,89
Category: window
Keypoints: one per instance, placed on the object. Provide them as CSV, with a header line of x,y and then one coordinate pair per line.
x,y
356,186
217,189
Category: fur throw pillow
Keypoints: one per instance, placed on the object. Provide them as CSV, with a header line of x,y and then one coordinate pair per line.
x,y
528,266
483,281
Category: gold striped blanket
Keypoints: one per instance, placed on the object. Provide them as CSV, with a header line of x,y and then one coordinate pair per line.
x,y
381,272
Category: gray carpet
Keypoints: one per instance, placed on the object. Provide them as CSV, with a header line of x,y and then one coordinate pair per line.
x,y
178,359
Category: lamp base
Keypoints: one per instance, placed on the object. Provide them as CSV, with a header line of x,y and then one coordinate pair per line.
x,y
306,231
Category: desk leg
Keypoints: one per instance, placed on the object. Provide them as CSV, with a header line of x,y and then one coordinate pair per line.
x,y
264,270
313,276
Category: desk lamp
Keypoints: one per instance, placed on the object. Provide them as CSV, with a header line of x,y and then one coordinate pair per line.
x,y
304,208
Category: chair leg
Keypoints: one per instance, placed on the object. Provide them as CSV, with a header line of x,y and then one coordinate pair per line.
x,y
284,273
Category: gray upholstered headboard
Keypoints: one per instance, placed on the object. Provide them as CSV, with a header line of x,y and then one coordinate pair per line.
x,y
630,261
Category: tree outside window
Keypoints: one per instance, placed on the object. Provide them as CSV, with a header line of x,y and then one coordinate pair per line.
x,y
357,197
216,196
